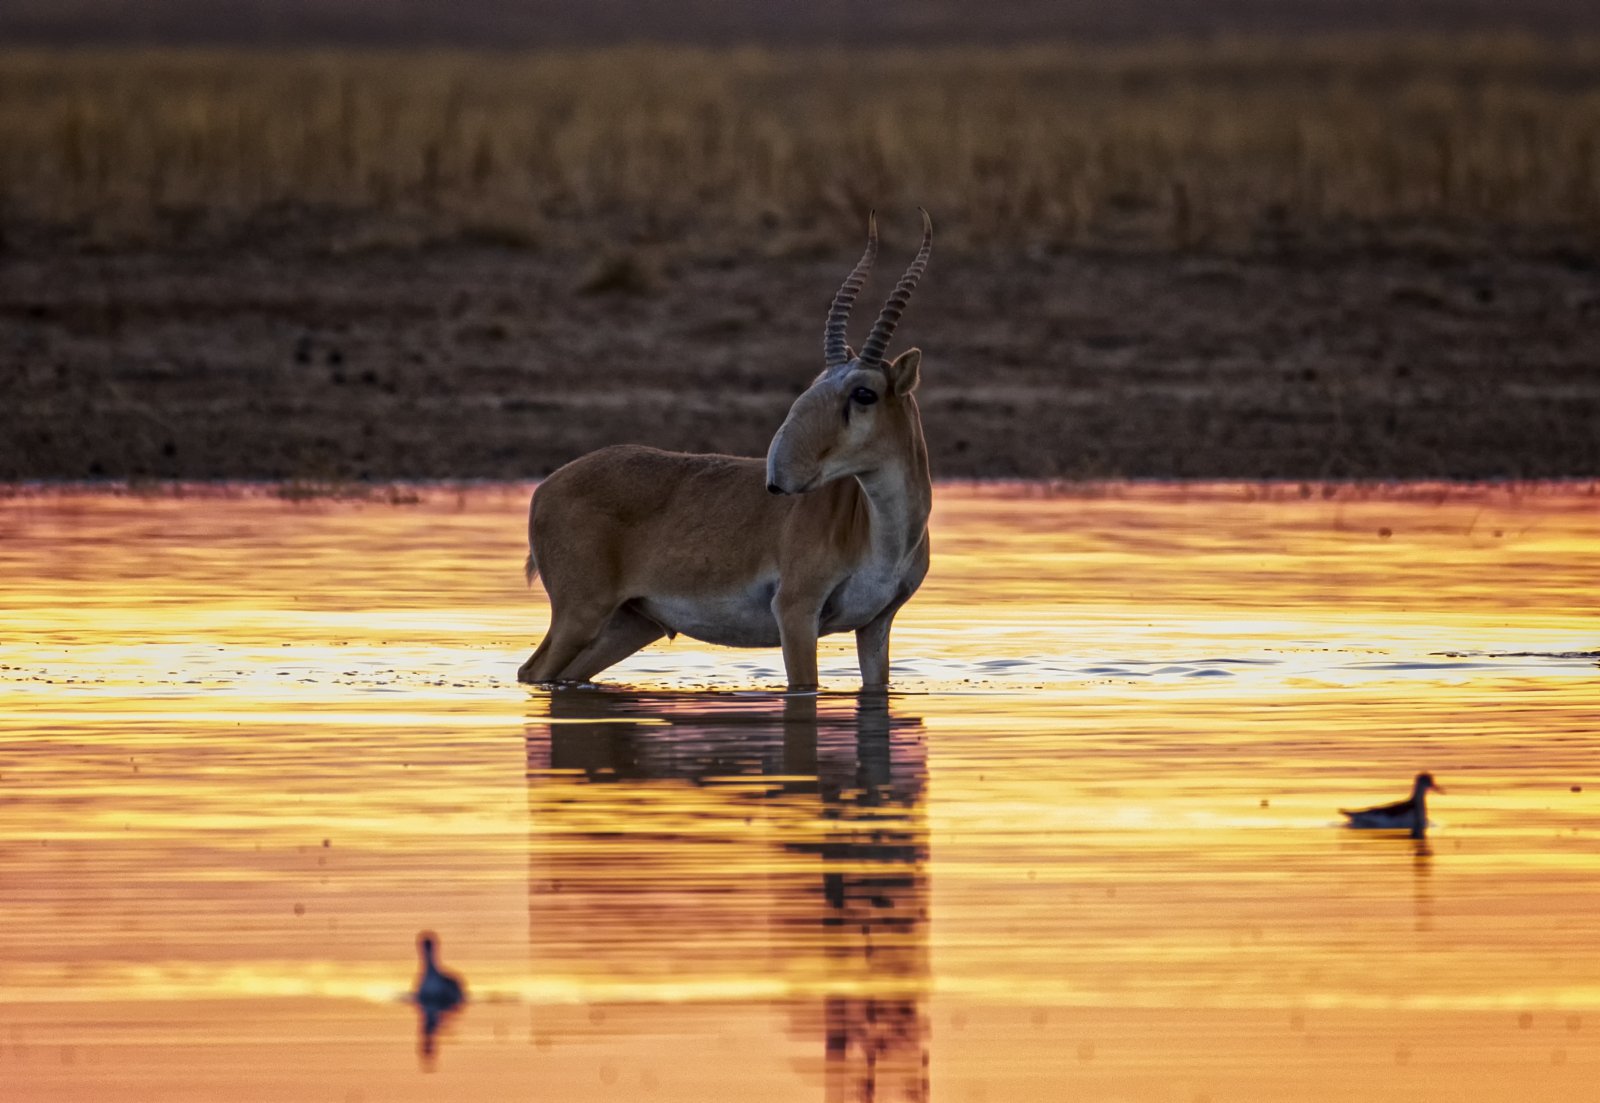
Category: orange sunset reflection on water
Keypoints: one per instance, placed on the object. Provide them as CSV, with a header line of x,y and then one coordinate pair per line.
x,y
1088,849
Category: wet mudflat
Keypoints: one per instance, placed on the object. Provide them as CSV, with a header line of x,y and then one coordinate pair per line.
x,y
1346,363
250,747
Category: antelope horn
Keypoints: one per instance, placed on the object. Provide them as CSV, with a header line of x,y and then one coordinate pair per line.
x,y
883,329
834,347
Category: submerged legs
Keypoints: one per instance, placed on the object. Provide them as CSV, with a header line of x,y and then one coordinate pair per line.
x,y
625,633
579,646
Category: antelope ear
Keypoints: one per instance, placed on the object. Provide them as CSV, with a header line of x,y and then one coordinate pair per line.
x,y
903,373
850,352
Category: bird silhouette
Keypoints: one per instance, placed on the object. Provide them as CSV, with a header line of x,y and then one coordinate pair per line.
x,y
1411,813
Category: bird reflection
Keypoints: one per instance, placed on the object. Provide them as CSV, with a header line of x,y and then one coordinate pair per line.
x,y
724,840
430,1020
1421,884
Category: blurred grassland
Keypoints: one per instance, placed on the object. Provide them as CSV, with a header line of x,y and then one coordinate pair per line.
x,y
1175,145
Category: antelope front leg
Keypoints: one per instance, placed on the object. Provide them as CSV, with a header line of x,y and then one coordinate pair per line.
x,y
872,649
797,628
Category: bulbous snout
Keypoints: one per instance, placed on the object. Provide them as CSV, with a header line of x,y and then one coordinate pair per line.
x,y
778,483
784,474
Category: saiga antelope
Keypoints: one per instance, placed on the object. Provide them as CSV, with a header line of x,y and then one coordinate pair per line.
x,y
830,534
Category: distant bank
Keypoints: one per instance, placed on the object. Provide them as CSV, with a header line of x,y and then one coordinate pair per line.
x,y
502,24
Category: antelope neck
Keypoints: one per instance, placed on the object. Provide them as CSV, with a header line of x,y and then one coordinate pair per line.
x,y
899,500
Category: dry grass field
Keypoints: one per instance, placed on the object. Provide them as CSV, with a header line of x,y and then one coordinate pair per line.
x,y
1159,145
1333,257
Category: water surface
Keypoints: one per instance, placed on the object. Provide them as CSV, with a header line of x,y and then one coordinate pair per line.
x,y
249,747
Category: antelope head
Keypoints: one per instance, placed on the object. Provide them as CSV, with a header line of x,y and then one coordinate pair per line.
x,y
859,414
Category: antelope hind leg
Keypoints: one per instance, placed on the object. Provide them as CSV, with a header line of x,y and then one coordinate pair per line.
x,y
625,633
570,633
525,671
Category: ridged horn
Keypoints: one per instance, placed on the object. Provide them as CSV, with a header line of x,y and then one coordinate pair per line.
x,y
882,330
835,347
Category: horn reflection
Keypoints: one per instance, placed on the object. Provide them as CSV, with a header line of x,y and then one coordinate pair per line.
x,y
741,849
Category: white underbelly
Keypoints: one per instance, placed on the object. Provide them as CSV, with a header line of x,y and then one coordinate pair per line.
x,y
742,619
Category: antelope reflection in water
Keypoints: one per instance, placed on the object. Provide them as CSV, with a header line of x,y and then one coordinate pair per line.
x,y
738,847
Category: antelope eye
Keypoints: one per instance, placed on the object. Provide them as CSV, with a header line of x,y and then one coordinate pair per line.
x,y
864,395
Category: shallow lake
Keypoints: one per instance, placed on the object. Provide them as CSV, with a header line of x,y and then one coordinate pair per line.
x,y
1089,848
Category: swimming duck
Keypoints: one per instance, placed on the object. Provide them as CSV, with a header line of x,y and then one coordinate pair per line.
x,y
437,989
1411,813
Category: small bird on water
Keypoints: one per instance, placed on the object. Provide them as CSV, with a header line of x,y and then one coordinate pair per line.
x,y
1411,813
437,989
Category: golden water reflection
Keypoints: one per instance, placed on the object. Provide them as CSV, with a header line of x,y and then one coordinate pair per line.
x,y
1088,849
741,848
